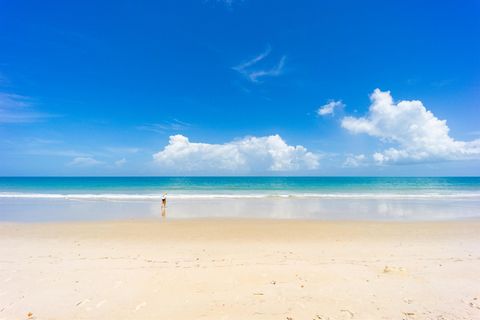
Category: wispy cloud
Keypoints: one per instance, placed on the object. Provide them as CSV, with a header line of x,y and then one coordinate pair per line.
x,y
442,83
84,162
242,66
329,108
273,72
120,163
43,141
248,69
16,108
354,161
228,3
166,126
129,150
3,79
39,146
56,153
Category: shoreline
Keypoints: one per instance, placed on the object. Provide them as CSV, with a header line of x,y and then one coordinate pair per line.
x,y
264,208
252,194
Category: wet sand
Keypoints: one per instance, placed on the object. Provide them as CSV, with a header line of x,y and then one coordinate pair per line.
x,y
240,269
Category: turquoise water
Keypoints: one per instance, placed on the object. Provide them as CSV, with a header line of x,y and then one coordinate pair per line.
x,y
361,198
240,186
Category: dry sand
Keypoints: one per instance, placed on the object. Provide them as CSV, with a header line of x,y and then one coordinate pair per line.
x,y
240,269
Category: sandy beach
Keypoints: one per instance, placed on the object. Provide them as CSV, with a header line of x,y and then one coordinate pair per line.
x,y
240,269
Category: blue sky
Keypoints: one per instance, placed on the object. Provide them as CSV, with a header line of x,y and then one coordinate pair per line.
x,y
236,87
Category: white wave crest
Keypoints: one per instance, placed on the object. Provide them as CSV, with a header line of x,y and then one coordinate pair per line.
x,y
199,196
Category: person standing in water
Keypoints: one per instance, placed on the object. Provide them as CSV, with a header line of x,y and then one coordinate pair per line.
x,y
164,204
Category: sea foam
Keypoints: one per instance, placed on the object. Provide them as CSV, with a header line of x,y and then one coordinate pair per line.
x,y
199,196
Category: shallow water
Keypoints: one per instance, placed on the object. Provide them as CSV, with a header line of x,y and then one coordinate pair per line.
x,y
63,199
279,208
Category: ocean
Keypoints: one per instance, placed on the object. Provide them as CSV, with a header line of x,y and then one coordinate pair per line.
x,y
404,198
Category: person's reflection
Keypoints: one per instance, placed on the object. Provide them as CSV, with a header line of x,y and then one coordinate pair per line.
x,y
164,205
164,212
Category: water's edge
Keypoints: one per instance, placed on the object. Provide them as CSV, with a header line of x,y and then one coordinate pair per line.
x,y
353,198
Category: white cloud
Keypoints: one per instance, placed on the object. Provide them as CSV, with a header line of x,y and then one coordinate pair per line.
x,y
272,72
166,126
355,160
130,150
246,68
56,153
250,154
84,162
121,162
241,67
418,134
329,108
15,108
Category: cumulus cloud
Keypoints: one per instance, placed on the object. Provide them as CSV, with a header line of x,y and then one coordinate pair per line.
x,y
419,135
254,74
84,162
329,108
250,154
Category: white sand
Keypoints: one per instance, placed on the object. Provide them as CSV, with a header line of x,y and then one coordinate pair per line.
x,y
240,269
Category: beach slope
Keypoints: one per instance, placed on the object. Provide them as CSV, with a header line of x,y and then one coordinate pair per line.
x,y
240,269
